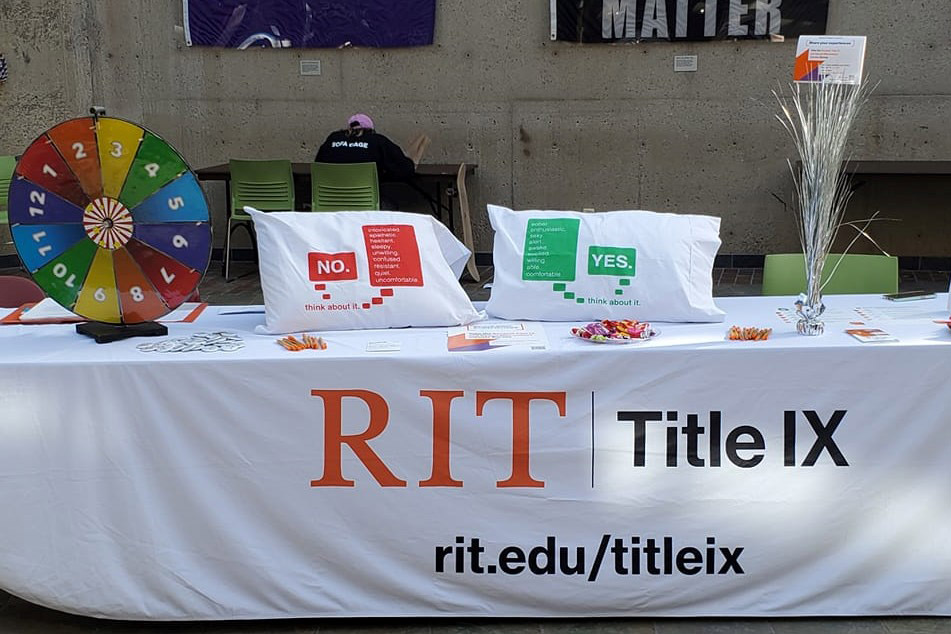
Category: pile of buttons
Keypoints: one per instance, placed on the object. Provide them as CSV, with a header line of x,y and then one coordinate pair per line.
x,y
199,342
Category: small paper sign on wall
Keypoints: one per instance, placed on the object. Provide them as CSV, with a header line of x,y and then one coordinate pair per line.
x,y
830,58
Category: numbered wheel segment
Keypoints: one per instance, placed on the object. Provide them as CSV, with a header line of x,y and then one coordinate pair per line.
x,y
109,220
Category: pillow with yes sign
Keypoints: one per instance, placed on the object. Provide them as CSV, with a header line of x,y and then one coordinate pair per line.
x,y
570,266
353,270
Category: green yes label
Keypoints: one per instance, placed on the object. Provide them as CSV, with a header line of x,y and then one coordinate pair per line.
x,y
611,261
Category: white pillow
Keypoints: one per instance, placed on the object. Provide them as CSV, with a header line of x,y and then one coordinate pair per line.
x,y
352,270
569,266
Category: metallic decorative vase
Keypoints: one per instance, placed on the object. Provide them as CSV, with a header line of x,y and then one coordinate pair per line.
x,y
810,315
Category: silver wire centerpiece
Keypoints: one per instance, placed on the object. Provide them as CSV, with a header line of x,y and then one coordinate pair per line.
x,y
818,117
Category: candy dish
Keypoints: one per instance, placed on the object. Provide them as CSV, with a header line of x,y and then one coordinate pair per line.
x,y
615,332
653,334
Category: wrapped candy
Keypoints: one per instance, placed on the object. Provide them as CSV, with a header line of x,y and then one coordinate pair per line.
x,y
615,331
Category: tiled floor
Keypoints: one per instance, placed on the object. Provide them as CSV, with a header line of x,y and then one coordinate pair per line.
x,y
20,617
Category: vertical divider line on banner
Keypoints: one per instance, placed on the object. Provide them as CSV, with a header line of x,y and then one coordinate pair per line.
x,y
592,436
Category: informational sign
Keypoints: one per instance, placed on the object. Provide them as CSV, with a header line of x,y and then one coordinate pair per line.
x,y
593,21
831,58
309,23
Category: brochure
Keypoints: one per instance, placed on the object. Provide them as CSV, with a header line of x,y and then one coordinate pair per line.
x,y
870,335
383,346
48,309
488,335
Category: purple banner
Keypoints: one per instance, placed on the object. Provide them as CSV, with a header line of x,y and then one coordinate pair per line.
x,y
309,23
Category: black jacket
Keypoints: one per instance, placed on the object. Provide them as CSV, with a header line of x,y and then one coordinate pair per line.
x,y
368,147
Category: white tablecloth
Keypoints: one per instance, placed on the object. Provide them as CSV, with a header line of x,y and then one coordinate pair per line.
x,y
510,482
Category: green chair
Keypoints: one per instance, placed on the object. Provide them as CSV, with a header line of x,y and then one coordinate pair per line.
x,y
785,274
344,187
267,185
7,165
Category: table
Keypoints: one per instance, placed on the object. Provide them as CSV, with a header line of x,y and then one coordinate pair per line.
x,y
448,181
684,476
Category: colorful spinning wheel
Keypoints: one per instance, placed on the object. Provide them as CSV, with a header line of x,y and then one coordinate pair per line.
x,y
109,220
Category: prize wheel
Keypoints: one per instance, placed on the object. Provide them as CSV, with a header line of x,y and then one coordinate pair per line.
x,y
109,220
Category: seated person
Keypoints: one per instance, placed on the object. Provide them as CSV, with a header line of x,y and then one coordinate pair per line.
x,y
360,143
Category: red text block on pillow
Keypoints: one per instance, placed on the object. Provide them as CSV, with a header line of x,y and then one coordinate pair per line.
x,y
393,255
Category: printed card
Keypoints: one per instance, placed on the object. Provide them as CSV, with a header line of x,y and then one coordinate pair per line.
x,y
870,335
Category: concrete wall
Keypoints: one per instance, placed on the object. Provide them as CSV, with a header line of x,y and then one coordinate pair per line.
x,y
550,124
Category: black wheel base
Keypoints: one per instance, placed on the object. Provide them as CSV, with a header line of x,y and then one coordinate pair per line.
x,y
105,333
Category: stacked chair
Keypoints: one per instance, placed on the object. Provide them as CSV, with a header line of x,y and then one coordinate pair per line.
x,y
785,274
267,185
344,187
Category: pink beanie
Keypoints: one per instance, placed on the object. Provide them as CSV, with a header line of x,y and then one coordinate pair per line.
x,y
361,120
